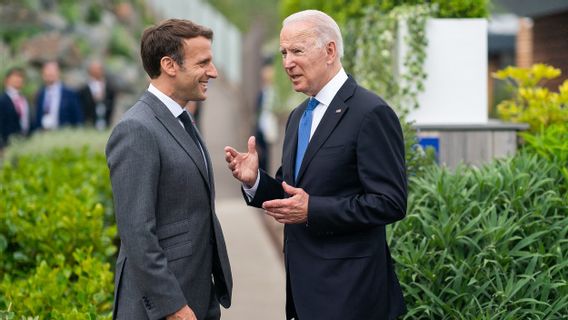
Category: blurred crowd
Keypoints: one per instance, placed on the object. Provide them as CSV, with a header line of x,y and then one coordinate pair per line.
x,y
55,105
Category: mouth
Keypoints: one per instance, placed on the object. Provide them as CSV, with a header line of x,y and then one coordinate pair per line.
x,y
203,85
294,77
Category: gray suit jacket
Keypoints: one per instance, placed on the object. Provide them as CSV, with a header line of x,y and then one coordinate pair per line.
x,y
171,239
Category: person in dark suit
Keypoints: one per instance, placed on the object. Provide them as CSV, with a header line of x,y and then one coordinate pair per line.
x,y
56,105
342,180
173,260
14,107
97,97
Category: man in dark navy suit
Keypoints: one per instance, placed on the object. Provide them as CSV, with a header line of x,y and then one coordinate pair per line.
x,y
342,180
14,108
56,105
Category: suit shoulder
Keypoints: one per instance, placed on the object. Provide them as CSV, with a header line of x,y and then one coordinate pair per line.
x,y
368,101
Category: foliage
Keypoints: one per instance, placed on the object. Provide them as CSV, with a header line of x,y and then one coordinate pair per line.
x,y
78,290
485,243
417,159
56,234
242,13
370,54
532,103
120,43
550,143
42,143
344,11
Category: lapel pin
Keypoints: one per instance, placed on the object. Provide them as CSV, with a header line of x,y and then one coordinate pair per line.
x,y
338,110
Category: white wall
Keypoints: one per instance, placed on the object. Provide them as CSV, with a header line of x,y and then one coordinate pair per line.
x,y
456,66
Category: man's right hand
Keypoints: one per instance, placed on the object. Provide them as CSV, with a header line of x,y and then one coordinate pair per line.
x,y
244,166
184,313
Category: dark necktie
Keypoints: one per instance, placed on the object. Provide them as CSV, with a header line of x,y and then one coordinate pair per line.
x,y
304,130
184,117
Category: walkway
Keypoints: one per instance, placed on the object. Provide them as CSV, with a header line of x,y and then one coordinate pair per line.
x,y
258,273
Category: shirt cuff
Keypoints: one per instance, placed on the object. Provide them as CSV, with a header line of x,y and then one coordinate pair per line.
x,y
251,192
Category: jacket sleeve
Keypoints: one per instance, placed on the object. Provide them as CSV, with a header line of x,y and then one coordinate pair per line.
x,y
382,174
134,162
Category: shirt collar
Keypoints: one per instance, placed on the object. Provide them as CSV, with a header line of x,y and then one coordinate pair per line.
x,y
173,106
56,86
12,92
328,92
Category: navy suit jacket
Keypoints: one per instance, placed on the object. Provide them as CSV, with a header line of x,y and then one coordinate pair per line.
x,y
9,119
338,264
70,112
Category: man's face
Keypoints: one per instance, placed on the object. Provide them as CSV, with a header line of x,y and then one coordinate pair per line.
x,y
15,80
193,76
50,73
304,61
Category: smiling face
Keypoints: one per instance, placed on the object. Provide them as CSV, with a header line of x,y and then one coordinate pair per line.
x,y
193,75
308,64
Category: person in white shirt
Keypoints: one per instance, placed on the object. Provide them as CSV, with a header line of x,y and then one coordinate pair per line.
x,y
97,97
56,105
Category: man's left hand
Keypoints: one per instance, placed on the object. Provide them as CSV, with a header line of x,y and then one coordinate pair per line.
x,y
290,210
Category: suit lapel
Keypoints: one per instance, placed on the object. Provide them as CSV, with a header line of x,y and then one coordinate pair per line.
x,y
208,159
177,131
331,118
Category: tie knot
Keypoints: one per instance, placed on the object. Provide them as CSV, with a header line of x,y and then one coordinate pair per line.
x,y
312,103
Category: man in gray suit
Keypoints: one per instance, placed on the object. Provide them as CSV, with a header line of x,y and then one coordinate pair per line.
x,y
173,262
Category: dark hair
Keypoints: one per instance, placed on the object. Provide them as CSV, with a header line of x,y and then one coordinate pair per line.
x,y
15,70
166,39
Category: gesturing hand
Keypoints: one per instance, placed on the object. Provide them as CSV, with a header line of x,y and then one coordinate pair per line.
x,y
290,210
244,166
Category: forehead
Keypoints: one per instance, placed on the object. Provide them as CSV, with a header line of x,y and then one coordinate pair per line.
x,y
197,46
296,33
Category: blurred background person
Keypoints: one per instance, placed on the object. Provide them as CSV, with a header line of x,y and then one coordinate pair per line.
x,y
14,107
97,97
56,104
266,131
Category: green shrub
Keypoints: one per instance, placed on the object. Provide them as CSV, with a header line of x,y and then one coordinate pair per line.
x,y
485,243
78,290
532,103
42,143
344,11
550,143
56,234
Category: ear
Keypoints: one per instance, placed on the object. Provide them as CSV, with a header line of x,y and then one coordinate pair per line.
x,y
168,66
331,52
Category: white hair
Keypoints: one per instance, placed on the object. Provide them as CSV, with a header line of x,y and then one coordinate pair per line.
x,y
325,27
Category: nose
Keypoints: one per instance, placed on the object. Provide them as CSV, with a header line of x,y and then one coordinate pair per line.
x,y
288,61
212,72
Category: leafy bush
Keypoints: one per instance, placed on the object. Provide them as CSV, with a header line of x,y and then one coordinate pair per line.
x,y
550,143
532,103
56,235
487,243
42,143
344,11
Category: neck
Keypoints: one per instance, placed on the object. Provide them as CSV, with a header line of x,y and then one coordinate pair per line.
x,y
166,88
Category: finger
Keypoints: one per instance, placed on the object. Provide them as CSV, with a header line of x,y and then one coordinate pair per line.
x,y
251,145
274,204
229,157
232,151
289,189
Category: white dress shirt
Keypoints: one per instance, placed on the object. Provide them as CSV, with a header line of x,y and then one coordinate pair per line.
x,y
324,97
52,101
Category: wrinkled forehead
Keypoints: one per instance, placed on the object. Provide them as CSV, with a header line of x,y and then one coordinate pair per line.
x,y
297,33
